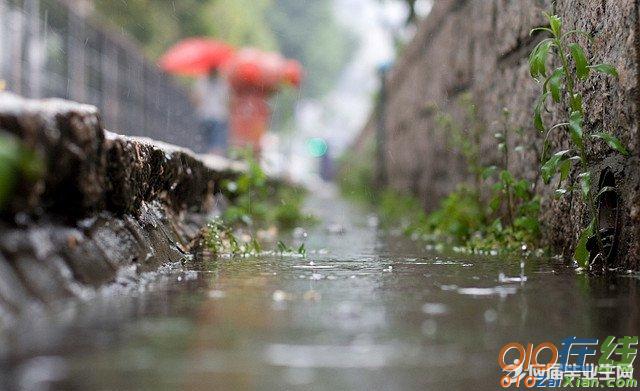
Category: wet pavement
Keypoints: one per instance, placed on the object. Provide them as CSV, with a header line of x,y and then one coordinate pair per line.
x,y
364,310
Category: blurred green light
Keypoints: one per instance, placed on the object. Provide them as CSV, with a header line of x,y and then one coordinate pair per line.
x,y
317,147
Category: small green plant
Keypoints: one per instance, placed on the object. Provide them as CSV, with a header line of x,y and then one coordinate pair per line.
x,y
560,87
16,162
513,199
251,192
220,239
259,203
497,212
459,216
282,248
465,136
302,250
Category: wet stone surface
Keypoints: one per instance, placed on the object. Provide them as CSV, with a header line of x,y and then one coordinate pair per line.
x,y
363,311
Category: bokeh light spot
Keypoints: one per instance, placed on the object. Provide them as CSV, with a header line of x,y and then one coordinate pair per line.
x,y
317,147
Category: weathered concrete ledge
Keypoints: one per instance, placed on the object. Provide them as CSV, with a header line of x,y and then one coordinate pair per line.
x,y
104,204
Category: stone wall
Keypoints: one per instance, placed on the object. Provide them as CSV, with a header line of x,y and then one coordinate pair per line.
x,y
106,208
482,46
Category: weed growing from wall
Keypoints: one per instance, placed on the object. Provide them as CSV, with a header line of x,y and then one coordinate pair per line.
x,y
513,202
496,212
559,87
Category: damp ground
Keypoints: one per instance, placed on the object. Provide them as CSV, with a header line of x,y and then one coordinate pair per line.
x,y
365,310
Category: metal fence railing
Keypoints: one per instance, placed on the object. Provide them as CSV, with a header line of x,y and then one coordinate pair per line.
x,y
48,49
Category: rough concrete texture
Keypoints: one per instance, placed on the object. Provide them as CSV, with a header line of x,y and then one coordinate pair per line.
x,y
104,204
482,46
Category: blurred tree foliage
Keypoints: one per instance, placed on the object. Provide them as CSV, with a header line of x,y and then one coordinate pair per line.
x,y
308,31
302,29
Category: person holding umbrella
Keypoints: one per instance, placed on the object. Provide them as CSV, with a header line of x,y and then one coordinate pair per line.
x,y
212,102
202,57
254,76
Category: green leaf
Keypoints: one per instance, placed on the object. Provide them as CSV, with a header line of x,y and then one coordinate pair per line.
x,y
495,202
538,58
506,177
521,188
612,141
540,29
16,162
581,254
31,165
302,250
550,167
575,102
256,245
580,59
9,167
555,84
585,184
575,128
527,223
488,172
605,68
282,248
565,168
537,119
537,116
555,23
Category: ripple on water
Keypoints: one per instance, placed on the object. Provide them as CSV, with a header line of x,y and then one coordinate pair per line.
x,y
500,290
313,267
434,308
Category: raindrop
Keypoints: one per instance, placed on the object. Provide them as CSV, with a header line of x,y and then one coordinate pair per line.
x,y
490,316
299,233
434,309
504,279
216,294
279,296
311,295
429,327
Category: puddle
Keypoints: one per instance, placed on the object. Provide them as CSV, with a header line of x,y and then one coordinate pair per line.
x,y
380,312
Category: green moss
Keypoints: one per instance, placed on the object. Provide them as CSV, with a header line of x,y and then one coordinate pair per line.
x,y
17,163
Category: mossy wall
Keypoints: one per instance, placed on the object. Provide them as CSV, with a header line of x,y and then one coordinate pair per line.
x,y
481,47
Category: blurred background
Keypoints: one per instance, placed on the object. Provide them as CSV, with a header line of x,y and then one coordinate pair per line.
x,y
105,53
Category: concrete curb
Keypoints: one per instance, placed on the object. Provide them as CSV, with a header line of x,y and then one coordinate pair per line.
x,y
106,203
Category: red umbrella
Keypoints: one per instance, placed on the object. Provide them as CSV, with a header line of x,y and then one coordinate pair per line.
x,y
292,73
255,69
195,56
